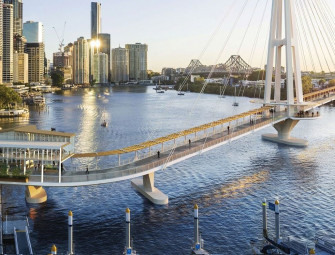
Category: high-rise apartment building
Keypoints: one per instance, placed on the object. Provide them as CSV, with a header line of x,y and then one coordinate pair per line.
x,y
95,19
33,32
100,73
81,61
105,47
20,71
1,39
35,53
19,43
17,15
120,65
7,64
137,61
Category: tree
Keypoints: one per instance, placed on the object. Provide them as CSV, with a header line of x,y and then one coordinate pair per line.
x,y
332,82
57,78
92,82
322,82
8,96
69,81
257,75
306,84
151,74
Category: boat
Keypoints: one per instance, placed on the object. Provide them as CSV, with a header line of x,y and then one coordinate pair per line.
x,y
8,113
159,89
66,87
39,100
235,103
104,124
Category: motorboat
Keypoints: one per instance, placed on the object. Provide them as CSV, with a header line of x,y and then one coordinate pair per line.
x,y
104,124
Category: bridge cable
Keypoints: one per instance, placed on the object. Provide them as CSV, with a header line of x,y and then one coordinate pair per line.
x,y
211,72
208,43
230,71
323,20
315,31
310,34
304,32
256,39
330,13
238,52
325,14
320,30
244,36
301,47
266,42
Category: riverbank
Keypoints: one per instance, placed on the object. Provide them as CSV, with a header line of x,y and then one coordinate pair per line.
x,y
241,91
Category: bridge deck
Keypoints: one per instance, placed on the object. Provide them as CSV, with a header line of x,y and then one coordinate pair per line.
x,y
138,167
153,163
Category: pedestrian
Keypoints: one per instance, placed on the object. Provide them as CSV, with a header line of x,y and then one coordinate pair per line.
x,y
189,142
312,114
87,172
228,129
158,154
317,113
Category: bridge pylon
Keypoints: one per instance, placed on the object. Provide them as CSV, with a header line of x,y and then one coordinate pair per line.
x,y
293,70
146,186
276,42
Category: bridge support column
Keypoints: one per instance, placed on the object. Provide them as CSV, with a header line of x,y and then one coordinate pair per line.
x,y
35,195
284,129
146,187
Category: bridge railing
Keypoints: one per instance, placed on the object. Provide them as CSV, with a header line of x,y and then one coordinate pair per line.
x,y
111,173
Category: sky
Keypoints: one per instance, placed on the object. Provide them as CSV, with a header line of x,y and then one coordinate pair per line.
x,y
175,31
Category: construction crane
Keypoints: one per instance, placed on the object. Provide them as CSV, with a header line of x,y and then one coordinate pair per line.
x,y
61,40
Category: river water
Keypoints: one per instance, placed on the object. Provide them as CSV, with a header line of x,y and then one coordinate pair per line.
x,y
228,183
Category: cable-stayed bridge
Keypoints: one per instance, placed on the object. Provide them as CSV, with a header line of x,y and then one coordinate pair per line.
x,y
173,148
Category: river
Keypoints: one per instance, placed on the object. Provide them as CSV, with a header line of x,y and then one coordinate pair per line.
x,y
228,183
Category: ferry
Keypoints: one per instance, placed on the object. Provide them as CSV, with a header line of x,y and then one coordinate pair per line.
x,y
38,100
8,113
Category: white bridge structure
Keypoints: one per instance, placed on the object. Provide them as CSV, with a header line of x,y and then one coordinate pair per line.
x,y
283,115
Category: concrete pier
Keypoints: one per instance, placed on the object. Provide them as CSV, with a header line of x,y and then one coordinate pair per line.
x,y
284,129
146,187
35,195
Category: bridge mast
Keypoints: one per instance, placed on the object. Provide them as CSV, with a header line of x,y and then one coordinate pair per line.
x,y
276,42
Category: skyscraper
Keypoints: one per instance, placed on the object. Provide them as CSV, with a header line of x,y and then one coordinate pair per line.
x,y
81,61
105,47
1,38
100,68
19,43
17,15
7,64
95,19
137,61
35,53
20,71
120,65
33,32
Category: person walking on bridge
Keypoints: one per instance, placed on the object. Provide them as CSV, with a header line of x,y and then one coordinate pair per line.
x,y
158,154
189,143
228,129
87,172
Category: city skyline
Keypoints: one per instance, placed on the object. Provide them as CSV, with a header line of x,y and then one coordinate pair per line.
x,y
174,35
